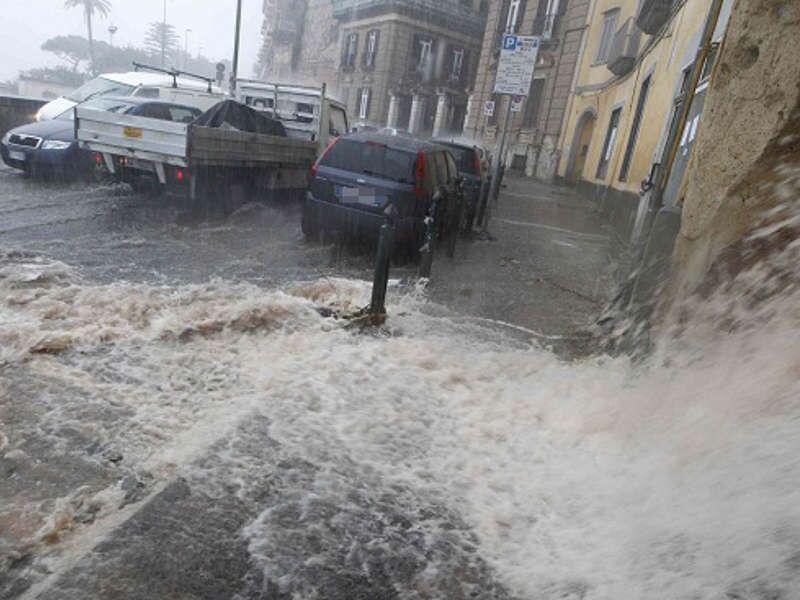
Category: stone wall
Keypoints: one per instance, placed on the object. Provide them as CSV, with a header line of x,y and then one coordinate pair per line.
x,y
16,111
751,127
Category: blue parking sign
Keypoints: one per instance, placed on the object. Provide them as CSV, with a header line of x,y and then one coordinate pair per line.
x,y
509,42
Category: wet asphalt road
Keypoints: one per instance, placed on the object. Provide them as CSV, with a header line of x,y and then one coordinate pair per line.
x,y
180,536
548,269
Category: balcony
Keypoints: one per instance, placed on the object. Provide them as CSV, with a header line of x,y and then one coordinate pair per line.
x,y
653,14
624,48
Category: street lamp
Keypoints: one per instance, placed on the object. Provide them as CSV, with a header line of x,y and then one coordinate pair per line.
x,y
186,49
112,29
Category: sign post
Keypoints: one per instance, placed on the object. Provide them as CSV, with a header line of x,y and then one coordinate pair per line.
x,y
514,76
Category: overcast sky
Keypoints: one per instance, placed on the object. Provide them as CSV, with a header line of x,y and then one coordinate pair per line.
x,y
26,24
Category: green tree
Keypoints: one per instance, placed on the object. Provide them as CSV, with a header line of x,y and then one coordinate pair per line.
x,y
72,48
101,7
161,38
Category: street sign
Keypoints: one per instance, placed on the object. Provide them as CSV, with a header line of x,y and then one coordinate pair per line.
x,y
516,103
488,108
517,62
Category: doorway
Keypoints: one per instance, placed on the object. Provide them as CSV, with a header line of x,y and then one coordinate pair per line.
x,y
580,146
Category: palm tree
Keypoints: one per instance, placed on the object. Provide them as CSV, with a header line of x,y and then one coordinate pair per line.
x,y
102,7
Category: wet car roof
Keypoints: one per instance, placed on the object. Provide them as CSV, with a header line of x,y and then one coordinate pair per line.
x,y
397,142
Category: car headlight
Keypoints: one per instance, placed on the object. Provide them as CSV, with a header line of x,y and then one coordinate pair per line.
x,y
55,145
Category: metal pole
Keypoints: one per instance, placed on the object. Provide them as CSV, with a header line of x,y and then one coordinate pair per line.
x,y
186,49
380,281
494,189
164,37
235,69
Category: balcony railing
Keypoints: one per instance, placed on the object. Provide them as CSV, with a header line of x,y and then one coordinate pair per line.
x,y
624,48
653,14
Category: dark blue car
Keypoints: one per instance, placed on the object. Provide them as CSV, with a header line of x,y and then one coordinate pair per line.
x,y
360,177
50,148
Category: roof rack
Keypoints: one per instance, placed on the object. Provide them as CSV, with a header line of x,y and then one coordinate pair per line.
x,y
174,73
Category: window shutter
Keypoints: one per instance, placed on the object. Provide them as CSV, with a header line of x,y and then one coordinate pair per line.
x,y
465,66
377,46
369,103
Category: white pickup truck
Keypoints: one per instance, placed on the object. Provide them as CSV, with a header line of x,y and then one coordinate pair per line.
x,y
211,163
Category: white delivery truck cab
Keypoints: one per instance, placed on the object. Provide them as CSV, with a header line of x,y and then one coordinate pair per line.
x,y
307,113
178,87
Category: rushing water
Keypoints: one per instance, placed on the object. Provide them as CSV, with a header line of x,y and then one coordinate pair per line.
x,y
435,457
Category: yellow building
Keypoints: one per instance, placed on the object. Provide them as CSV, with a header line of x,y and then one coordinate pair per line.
x,y
631,80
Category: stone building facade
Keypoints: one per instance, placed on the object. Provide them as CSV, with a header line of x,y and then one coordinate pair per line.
x,y
409,64
535,128
300,42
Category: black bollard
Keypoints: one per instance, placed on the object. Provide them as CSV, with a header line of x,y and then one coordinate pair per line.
x,y
426,252
381,278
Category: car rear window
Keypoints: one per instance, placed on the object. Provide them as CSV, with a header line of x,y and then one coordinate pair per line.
x,y
465,159
371,158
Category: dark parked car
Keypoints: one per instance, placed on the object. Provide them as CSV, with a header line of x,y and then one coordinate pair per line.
x,y
49,147
474,170
360,178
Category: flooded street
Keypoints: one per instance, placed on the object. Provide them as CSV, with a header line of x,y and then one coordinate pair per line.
x,y
180,418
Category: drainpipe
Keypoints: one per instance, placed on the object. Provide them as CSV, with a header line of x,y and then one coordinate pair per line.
x,y
697,69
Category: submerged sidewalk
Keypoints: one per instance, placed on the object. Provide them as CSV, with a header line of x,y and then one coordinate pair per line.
x,y
548,268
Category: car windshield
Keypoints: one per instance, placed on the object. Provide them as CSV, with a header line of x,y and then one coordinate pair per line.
x,y
100,87
107,104
371,158
465,159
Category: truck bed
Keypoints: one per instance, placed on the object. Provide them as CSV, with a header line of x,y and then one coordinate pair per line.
x,y
219,147
186,145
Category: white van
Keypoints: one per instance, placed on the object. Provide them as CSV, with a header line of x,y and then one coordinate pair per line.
x,y
301,109
171,88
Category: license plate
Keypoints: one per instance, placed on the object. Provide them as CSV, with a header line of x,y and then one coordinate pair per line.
x,y
357,195
14,155
132,132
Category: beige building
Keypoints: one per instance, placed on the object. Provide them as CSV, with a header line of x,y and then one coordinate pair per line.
x,y
534,130
409,63
631,81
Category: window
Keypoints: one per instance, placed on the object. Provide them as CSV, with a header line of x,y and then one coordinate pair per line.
x,y
338,121
363,103
425,46
607,37
440,164
458,63
376,159
637,122
549,18
608,145
372,48
452,168
513,16
350,51
181,114
533,103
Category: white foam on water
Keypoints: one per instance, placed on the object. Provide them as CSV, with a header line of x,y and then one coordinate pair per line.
x,y
599,479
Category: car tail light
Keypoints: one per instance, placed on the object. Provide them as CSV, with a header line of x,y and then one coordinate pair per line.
x,y
315,166
180,175
98,159
419,188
